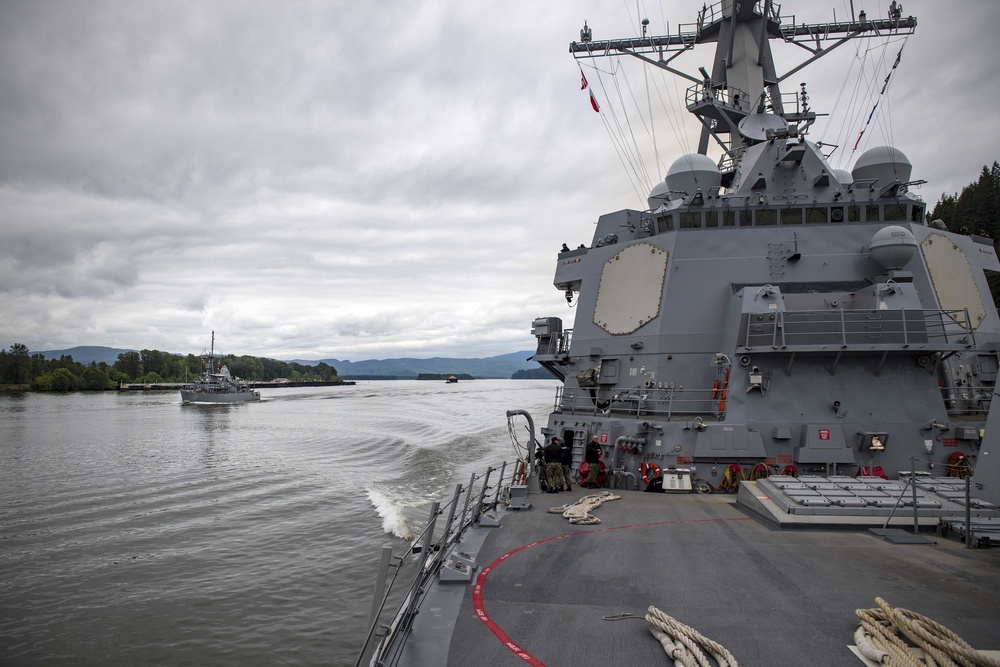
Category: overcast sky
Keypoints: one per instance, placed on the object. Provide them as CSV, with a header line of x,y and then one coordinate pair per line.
x,y
367,180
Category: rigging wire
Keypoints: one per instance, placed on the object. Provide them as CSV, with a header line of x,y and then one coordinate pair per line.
x,y
870,95
881,96
620,123
635,144
628,157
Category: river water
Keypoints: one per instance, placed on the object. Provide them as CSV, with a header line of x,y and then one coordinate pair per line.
x,y
136,530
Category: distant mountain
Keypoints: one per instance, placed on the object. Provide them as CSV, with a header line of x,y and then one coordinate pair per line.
x,y
84,354
502,366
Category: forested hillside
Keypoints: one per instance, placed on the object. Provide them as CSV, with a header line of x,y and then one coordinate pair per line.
x,y
21,368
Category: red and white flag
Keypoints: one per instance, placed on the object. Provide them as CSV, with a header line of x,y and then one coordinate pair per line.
x,y
583,86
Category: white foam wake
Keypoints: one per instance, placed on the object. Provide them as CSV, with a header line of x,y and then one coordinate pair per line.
x,y
391,510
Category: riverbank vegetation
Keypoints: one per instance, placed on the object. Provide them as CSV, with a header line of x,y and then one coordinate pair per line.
x,y
20,370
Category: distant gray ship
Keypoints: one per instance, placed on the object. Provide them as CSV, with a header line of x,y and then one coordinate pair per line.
x,y
217,386
779,344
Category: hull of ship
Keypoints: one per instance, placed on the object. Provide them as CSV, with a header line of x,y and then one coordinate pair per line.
x,y
237,397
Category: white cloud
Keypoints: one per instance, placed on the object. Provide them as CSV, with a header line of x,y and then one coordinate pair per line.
x,y
359,180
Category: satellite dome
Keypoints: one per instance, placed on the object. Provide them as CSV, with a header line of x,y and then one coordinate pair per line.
x,y
658,196
884,163
693,171
843,176
892,247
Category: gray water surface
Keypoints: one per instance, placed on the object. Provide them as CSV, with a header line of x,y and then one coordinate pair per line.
x,y
136,530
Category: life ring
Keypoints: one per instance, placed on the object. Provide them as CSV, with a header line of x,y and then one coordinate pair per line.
x,y
649,472
715,390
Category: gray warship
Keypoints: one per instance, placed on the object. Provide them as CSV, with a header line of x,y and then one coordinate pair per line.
x,y
217,385
789,370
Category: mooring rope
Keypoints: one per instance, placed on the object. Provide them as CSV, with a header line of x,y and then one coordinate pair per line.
x,y
682,643
878,639
580,511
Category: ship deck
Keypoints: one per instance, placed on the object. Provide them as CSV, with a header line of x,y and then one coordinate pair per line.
x,y
772,596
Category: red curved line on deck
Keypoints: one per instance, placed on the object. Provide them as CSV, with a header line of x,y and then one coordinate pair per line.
x,y
477,591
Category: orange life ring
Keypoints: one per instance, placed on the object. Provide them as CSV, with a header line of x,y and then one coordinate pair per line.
x,y
715,390
649,472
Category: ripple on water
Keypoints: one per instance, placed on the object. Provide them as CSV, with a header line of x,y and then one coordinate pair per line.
x,y
134,530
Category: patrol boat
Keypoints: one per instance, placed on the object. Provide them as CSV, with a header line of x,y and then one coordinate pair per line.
x,y
217,386
780,344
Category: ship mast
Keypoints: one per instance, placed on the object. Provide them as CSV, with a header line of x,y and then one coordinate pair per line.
x,y
743,79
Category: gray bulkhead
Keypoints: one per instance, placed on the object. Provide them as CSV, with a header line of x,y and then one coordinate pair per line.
x,y
663,372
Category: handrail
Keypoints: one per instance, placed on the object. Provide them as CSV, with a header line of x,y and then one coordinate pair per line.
x,y
944,329
664,402
390,644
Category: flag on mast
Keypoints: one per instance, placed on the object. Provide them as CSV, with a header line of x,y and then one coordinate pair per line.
x,y
583,86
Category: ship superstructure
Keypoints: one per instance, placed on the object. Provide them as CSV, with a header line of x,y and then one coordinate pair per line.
x,y
765,314
768,309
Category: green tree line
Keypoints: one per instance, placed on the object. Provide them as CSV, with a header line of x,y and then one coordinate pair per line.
x,y
21,368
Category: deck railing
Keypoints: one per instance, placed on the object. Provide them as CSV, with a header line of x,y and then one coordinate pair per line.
x,y
384,642
663,403
816,330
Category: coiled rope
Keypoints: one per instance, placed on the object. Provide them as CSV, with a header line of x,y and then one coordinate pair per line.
x,y
877,639
731,479
580,511
682,643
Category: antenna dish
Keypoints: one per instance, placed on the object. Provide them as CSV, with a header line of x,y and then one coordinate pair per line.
x,y
755,126
883,163
843,176
690,172
658,196
892,247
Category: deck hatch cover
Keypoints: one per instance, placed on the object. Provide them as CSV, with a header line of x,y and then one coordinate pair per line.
x,y
631,288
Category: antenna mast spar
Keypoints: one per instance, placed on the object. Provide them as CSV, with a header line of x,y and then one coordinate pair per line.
x,y
743,79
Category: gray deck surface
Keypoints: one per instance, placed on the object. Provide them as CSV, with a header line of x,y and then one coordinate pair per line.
x,y
772,597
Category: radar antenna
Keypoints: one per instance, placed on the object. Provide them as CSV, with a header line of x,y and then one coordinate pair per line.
x,y
743,80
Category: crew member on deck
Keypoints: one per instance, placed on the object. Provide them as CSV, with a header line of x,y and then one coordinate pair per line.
x,y
593,458
553,465
567,465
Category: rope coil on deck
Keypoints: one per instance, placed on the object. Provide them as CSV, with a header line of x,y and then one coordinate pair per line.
x,y
684,644
580,511
878,639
